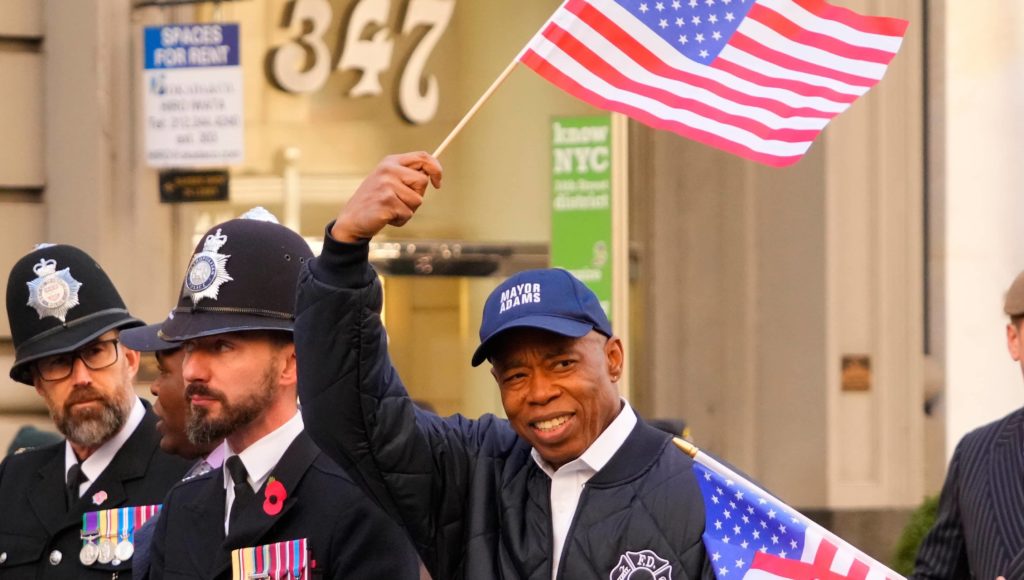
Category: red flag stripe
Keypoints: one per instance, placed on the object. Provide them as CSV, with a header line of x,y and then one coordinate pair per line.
x,y
624,24
748,44
656,65
797,33
610,74
557,78
869,24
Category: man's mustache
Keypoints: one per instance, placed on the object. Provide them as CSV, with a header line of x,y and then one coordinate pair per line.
x,y
82,395
203,390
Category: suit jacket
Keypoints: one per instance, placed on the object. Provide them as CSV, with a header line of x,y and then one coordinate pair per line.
x,y
348,535
979,531
40,537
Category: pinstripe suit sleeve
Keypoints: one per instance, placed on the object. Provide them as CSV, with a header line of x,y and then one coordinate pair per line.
x,y
943,553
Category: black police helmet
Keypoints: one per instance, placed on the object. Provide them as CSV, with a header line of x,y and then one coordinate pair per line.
x,y
59,299
242,276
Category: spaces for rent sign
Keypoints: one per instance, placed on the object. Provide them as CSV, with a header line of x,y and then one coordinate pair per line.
x,y
581,211
193,95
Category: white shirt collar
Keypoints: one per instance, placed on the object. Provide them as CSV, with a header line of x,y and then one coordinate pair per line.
x,y
261,457
96,463
602,449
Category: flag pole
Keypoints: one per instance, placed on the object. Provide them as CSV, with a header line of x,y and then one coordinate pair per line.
x,y
479,103
494,86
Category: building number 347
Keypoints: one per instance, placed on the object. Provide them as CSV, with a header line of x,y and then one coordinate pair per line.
x,y
368,48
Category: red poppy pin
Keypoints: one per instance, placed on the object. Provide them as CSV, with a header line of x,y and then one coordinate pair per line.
x,y
275,495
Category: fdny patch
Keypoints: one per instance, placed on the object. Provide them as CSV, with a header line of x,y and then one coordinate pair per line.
x,y
53,293
642,565
208,270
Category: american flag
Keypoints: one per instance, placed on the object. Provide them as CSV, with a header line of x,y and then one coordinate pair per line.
x,y
750,534
757,78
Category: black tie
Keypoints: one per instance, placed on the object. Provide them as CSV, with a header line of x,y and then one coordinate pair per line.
x,y
244,495
75,479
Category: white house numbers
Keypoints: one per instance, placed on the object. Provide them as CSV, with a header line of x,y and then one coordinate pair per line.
x,y
304,64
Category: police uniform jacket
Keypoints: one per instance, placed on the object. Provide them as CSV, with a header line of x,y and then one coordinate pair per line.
x,y
348,535
979,531
40,538
468,492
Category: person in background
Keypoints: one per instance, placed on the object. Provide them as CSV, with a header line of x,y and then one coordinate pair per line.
x,y
66,320
979,531
169,389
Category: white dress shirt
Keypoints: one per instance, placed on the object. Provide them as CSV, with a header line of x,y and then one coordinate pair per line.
x,y
567,482
94,465
260,458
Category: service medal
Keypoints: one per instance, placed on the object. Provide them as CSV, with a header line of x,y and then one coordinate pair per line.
x,y
106,551
52,293
89,554
124,550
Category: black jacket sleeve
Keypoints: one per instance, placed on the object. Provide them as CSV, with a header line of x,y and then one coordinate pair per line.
x,y
416,465
943,552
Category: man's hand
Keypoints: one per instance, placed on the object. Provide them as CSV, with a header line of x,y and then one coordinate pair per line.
x,y
388,196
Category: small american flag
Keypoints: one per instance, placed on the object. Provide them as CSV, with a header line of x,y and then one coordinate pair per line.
x,y
750,534
757,78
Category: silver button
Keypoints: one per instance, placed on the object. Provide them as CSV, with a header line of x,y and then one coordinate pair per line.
x,y
55,557
3,557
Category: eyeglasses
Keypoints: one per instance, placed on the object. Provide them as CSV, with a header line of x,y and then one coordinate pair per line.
x,y
95,356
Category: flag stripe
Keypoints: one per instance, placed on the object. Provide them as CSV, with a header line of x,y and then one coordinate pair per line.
x,y
720,124
753,46
810,54
753,121
731,63
872,37
847,17
653,55
569,85
790,80
796,33
594,51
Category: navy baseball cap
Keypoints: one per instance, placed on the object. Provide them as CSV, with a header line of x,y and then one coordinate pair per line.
x,y
550,299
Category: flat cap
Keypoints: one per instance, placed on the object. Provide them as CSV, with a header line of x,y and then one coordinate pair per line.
x,y
1014,305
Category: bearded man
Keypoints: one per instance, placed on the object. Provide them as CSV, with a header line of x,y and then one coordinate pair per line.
x,y
66,317
278,503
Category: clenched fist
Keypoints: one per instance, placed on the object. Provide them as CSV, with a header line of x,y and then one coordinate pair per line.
x,y
388,196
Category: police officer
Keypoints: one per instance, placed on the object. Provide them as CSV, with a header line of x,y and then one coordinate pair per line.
x,y
66,317
277,495
169,390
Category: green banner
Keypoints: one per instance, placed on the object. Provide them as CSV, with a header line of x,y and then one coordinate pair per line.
x,y
581,211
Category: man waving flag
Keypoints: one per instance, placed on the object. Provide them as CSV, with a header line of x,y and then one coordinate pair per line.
x,y
757,78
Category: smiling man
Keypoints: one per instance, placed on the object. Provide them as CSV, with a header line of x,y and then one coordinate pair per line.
x,y
66,319
276,490
573,485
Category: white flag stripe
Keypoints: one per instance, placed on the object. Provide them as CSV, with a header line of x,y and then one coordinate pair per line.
x,y
796,14
588,80
876,573
752,62
812,539
715,465
630,68
842,562
677,60
775,41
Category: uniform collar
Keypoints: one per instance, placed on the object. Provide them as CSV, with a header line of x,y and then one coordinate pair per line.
x,y
602,449
96,463
261,457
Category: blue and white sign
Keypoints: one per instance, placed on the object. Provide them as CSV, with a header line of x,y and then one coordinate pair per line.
x,y
193,95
